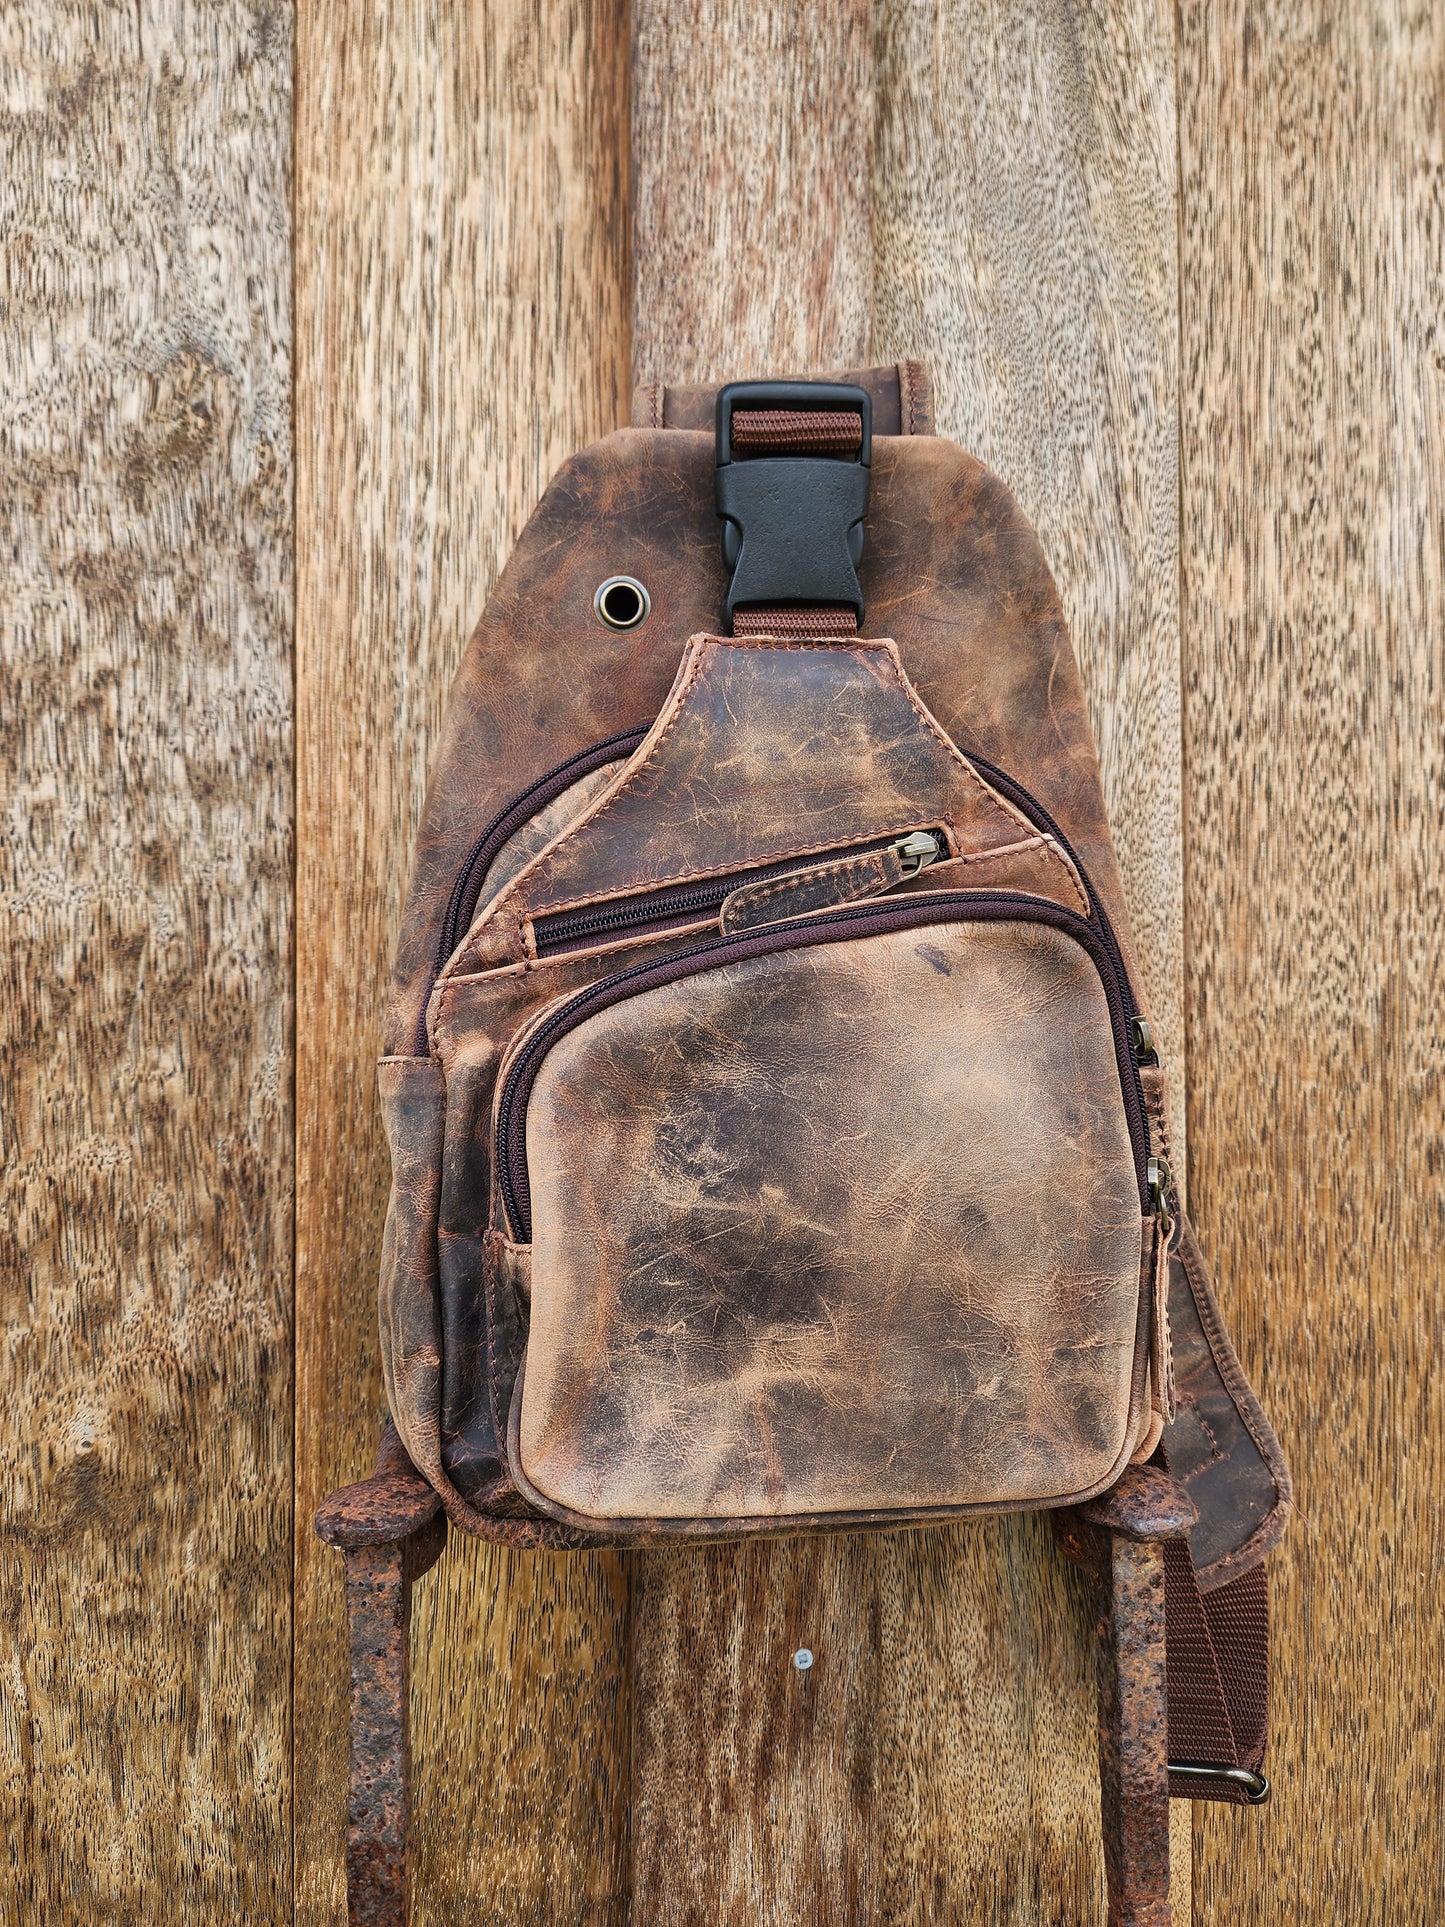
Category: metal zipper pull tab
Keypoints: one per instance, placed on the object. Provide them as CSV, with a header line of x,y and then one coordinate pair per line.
x,y
918,849
1159,1178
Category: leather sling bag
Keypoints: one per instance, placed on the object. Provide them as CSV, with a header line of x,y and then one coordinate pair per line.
x,y
778,1129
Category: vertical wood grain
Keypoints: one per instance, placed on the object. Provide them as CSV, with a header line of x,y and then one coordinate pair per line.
x,y
462,327
145,1112
937,1763
752,139
1025,221
1313,176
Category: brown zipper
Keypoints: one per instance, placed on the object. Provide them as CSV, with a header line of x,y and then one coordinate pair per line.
x,y
683,903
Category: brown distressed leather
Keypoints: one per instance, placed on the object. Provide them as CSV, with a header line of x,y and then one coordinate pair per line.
x,y
482,1337
951,571
517,852
823,886
825,1231
764,751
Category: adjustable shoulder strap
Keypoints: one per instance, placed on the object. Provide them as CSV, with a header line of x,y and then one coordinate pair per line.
x,y
1220,1447
1217,1674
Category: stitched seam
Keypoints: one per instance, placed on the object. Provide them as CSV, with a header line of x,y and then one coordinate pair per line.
x,y
774,887
491,921
1260,1543
707,645
905,369
991,796
992,856
1206,1428
492,1274
1046,843
1230,1370
851,880
521,967
1266,1534
935,728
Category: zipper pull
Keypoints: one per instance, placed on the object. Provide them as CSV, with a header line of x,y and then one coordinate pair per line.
x,y
1159,1178
918,849
1142,1037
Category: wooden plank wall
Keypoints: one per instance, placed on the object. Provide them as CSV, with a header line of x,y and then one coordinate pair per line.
x,y
461,327
1313,144
937,1763
146,743
996,188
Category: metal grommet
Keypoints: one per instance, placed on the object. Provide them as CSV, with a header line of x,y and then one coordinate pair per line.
x,y
622,602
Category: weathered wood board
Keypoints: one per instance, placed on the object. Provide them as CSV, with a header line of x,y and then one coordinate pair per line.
x,y
461,328
1313,150
752,150
145,739
1018,190
994,189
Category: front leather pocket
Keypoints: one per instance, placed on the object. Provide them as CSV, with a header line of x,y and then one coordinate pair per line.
x,y
838,1219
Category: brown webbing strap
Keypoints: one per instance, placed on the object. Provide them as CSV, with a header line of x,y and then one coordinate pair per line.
x,y
796,625
1218,1673
800,431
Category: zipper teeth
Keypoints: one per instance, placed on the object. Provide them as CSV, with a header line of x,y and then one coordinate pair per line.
x,y
581,923
1031,806
654,906
511,1140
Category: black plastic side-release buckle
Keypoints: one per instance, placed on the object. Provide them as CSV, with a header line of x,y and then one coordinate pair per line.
x,y
792,524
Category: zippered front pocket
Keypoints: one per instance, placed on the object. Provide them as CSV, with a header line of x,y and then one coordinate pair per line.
x,y
834,1218
644,912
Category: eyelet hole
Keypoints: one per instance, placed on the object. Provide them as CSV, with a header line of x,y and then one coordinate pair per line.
x,y
622,602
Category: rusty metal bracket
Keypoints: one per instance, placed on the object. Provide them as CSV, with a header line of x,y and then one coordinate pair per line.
x,y
1119,1537
390,1529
